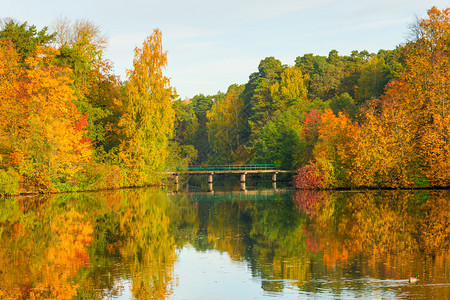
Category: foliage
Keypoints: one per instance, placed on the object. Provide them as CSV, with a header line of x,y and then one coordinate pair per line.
x,y
66,125
335,150
403,138
372,79
149,118
259,99
180,156
97,89
9,182
69,123
35,143
279,140
224,124
201,104
344,103
186,122
309,177
409,125
25,38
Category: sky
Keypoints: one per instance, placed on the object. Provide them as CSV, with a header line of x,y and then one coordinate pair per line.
x,y
213,44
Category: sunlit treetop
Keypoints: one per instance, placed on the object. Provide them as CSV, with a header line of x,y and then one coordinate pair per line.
x,y
25,38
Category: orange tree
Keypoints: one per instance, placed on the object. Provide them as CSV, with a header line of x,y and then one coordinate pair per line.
x,y
42,132
411,126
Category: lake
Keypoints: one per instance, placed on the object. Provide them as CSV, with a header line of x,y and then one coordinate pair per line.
x,y
263,243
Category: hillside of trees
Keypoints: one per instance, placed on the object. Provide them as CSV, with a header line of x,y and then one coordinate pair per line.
x,y
376,120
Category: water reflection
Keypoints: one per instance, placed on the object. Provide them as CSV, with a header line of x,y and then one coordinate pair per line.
x,y
134,244
86,246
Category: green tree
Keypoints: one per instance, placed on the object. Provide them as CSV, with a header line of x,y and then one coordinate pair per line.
x,y
325,74
259,97
344,103
279,141
25,38
201,104
186,122
372,80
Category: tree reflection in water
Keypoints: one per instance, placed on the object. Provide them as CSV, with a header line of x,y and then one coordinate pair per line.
x,y
86,245
97,245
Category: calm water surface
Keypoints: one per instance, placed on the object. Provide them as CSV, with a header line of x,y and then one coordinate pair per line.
x,y
259,244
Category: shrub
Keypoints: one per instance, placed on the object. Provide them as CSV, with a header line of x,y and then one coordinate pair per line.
x,y
9,182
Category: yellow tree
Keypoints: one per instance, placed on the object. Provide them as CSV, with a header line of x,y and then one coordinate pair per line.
x,y
429,65
55,114
150,248
224,124
290,89
148,119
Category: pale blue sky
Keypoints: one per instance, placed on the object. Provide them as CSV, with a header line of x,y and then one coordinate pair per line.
x,y
213,44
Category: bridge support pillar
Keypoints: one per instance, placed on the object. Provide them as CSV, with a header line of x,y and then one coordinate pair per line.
x,y
243,177
274,177
243,188
210,183
210,177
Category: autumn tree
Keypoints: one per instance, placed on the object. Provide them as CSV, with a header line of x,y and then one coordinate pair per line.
x,y
43,131
98,90
224,125
428,85
149,117
290,90
335,150
410,125
404,134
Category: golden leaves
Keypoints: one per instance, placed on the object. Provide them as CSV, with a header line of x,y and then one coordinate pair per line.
x,y
149,120
40,115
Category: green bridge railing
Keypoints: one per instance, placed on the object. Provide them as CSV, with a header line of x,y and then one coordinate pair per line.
x,y
254,167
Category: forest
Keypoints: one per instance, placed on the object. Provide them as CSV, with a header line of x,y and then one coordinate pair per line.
x,y
364,120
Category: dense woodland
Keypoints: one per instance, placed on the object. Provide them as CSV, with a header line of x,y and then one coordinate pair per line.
x,y
363,120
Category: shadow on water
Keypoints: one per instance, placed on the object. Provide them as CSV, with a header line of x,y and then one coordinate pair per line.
x,y
266,243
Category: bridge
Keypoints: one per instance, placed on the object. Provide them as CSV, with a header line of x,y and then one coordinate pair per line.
x,y
243,170
251,195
